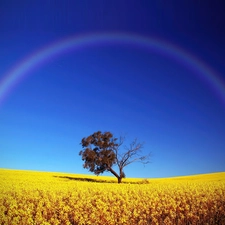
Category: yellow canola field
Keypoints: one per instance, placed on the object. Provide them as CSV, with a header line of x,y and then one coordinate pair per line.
x,y
44,198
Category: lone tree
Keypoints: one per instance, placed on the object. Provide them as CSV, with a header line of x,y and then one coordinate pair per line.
x,y
101,152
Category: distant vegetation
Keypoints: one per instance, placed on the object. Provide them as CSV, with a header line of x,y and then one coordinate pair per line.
x,y
46,198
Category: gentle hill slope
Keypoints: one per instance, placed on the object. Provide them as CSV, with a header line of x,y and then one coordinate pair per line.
x,y
219,176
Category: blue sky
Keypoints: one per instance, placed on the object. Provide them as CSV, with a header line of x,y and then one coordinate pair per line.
x,y
124,89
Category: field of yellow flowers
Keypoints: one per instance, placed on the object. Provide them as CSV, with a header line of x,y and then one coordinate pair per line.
x,y
44,198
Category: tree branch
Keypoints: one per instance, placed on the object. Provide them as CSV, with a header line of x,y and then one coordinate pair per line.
x,y
116,149
133,150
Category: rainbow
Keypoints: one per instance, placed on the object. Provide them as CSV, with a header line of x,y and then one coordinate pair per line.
x,y
74,43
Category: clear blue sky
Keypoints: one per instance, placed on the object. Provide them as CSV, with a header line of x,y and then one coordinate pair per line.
x,y
122,89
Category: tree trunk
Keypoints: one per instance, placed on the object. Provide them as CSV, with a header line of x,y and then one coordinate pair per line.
x,y
121,175
119,180
115,174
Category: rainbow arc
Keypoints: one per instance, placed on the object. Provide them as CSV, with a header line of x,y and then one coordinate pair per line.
x,y
74,43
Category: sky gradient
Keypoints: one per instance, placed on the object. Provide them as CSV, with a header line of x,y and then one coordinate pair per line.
x,y
149,71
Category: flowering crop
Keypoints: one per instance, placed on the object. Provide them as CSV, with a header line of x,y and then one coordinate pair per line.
x,y
44,198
